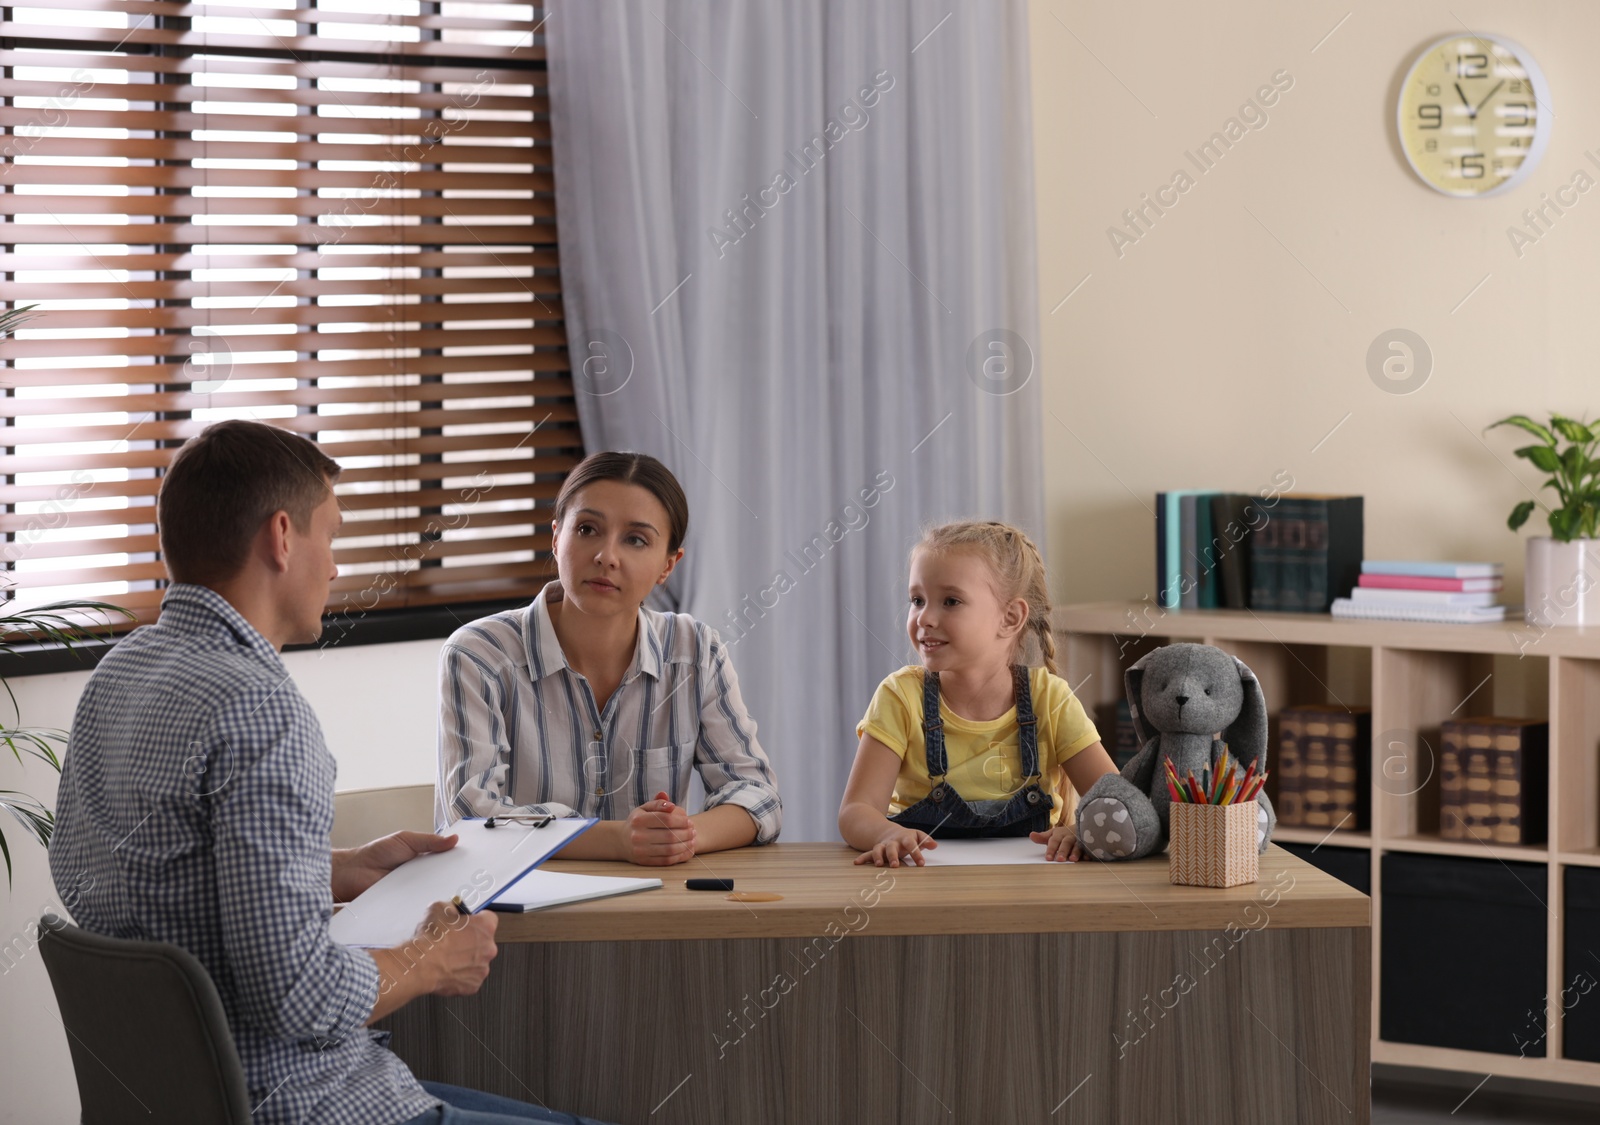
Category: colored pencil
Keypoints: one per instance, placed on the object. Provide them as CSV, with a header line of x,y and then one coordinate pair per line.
x,y
1229,788
1171,780
1173,783
1249,776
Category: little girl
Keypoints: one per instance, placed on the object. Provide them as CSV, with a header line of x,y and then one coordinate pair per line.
x,y
972,743
586,703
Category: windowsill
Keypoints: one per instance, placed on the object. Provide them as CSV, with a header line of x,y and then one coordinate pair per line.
x,y
387,627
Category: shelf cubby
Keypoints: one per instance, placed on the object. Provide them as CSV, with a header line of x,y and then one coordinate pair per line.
x,y
1414,677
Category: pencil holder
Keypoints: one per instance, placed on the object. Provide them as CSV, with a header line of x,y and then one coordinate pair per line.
x,y
1213,845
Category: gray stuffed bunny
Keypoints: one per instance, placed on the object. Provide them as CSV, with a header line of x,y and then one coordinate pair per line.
x,y
1180,697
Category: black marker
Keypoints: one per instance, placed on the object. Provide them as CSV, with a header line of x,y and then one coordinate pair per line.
x,y
709,884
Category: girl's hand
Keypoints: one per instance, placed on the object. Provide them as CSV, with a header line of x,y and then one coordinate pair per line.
x,y
898,843
1060,843
659,833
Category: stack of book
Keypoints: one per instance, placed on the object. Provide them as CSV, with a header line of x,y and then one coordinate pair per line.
x,y
1324,757
1400,590
1293,553
1493,780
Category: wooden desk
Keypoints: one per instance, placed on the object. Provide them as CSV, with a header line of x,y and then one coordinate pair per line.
x,y
1083,993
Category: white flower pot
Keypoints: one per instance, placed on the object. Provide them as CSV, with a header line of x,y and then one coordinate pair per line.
x,y
1561,585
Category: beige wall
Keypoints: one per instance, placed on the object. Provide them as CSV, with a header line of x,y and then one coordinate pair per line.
x,y
1222,348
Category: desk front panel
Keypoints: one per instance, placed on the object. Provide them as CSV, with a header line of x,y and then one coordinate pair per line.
x,y
1259,1015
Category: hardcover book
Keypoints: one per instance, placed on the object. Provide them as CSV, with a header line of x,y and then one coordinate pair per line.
x,y
1493,775
1324,767
1231,522
1320,544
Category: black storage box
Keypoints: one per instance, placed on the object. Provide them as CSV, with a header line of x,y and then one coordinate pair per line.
x,y
1351,866
1580,974
1463,954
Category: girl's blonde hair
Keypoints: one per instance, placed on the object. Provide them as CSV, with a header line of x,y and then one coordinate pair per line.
x,y
1017,565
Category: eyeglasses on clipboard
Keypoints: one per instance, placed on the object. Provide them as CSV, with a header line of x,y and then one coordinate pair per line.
x,y
527,820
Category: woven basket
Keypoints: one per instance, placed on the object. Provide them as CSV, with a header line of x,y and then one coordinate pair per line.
x,y
1213,845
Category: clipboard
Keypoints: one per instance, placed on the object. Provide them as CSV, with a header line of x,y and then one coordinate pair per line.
x,y
489,857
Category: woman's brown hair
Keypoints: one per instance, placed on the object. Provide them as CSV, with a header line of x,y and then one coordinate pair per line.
x,y
1018,570
632,468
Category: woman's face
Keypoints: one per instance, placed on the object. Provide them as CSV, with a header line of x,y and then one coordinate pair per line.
x,y
611,547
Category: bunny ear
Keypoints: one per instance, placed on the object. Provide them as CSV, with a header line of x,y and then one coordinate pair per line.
x,y
1133,684
1246,736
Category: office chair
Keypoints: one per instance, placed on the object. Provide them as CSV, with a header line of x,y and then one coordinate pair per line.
x,y
148,1035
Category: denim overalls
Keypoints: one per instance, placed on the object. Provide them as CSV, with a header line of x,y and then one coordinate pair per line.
x,y
944,814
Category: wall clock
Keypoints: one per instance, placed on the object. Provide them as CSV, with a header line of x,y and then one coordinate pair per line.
x,y
1474,115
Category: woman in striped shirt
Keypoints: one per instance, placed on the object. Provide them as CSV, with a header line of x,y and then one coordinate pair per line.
x,y
586,703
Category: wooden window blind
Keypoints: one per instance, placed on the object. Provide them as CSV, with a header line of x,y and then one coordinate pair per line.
x,y
335,216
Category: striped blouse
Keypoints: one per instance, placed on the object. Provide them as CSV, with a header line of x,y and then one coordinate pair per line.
x,y
519,729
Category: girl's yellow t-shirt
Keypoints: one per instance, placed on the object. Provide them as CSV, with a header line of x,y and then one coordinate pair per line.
x,y
985,762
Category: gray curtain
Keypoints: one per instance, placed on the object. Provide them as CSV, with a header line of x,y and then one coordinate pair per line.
x,y
797,265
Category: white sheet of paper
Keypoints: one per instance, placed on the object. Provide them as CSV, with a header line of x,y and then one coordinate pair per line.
x,y
484,863
984,853
539,889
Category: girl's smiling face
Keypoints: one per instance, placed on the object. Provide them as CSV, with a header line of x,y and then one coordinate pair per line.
x,y
956,618
611,547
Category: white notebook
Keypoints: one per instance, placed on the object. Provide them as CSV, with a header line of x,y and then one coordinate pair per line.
x,y
539,889
482,866
1002,852
1449,614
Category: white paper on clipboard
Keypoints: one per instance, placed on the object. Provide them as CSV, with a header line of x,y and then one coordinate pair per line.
x,y
482,865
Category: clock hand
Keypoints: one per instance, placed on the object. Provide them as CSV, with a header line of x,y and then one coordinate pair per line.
x,y
1470,111
1487,96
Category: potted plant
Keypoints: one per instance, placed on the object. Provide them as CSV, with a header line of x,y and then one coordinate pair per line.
x,y
58,623
1561,584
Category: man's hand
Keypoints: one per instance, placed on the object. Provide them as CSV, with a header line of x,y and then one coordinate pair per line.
x,y
456,948
659,833
448,956
356,869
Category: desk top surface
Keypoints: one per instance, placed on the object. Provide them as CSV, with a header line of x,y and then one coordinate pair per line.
x,y
821,887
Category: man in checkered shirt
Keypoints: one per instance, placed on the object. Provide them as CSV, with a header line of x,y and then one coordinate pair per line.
x,y
196,802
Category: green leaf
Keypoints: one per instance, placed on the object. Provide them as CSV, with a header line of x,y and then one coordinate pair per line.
x,y
1551,482
1520,514
1573,461
12,319
1586,520
36,741
1571,430
1522,421
38,821
1543,457
1562,521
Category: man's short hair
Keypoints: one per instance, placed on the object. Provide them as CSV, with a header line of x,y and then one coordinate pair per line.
x,y
224,484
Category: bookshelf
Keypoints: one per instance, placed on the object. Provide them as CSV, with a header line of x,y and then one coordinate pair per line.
x,y
1413,676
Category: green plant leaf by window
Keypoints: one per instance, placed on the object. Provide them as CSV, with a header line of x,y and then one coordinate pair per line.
x,y
63,623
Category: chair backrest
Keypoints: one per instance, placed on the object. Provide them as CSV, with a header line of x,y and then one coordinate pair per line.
x,y
149,1038
360,815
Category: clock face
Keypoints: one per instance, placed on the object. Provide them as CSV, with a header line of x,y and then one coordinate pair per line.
x,y
1474,115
